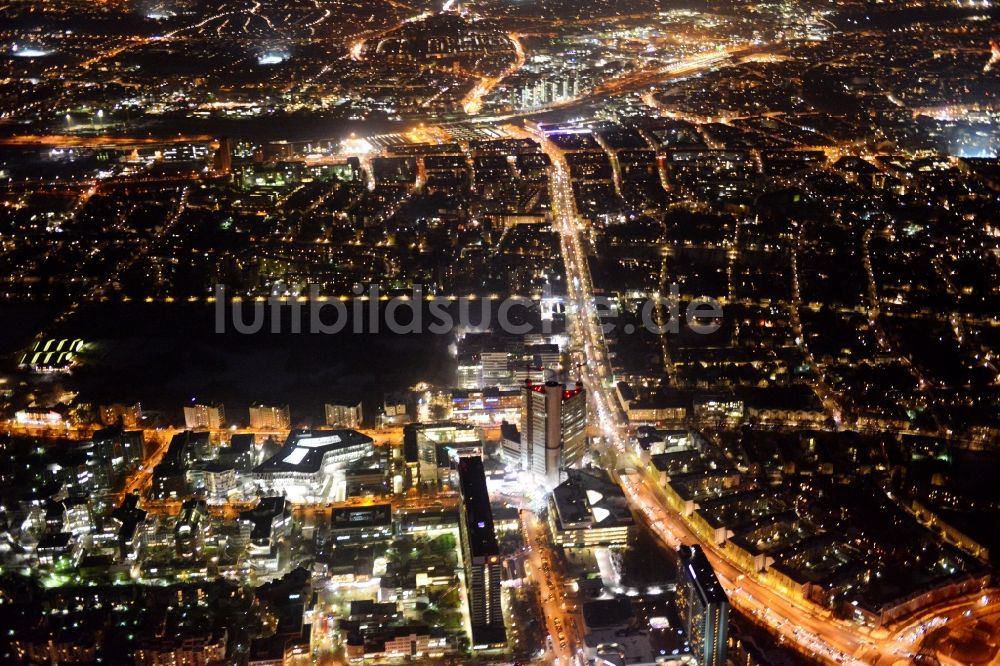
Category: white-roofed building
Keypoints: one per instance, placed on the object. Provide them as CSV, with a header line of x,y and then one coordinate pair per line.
x,y
589,509
310,461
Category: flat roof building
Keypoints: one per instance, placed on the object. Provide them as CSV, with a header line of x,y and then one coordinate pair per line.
x,y
345,414
481,555
553,429
268,417
589,509
210,417
703,606
361,523
309,460
433,444
268,522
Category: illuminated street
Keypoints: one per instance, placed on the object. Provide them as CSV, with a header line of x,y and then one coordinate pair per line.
x,y
814,632
493,333
561,624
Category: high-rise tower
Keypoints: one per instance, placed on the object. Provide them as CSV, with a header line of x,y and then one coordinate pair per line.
x,y
703,606
553,429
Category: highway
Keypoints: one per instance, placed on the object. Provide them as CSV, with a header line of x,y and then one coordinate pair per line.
x,y
811,629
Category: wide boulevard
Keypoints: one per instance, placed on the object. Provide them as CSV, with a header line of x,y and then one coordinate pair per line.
x,y
809,628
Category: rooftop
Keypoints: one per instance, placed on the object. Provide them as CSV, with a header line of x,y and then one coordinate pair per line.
x,y
588,498
476,501
353,517
303,451
262,516
700,574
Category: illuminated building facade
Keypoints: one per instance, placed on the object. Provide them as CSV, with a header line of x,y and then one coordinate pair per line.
x,y
117,413
265,417
488,406
309,460
481,556
553,429
703,606
589,509
343,415
201,417
434,443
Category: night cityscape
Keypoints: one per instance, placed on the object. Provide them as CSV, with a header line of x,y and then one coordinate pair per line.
x,y
499,332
